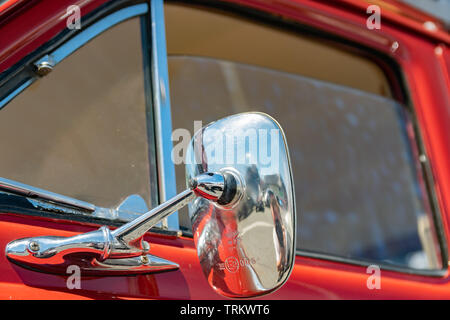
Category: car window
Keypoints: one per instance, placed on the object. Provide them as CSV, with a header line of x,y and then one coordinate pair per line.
x,y
359,188
82,130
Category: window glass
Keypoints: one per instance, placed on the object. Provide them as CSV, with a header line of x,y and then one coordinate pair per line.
x,y
82,130
198,32
359,189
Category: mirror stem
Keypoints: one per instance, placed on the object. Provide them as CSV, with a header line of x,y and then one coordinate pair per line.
x,y
216,187
138,227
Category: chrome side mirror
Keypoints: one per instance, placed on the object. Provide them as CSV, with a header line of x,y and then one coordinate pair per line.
x,y
246,239
243,216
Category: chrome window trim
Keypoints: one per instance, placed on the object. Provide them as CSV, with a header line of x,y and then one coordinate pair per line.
x,y
163,117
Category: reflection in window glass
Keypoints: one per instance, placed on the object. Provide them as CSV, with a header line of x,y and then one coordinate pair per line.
x,y
81,131
359,191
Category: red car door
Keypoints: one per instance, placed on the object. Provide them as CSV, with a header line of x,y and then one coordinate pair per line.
x,y
364,111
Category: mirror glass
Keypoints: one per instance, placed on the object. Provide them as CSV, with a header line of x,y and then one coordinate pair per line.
x,y
246,248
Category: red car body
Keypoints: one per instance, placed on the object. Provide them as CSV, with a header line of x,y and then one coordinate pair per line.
x,y
424,59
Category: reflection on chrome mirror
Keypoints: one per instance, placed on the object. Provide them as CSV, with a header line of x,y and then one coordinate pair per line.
x,y
245,240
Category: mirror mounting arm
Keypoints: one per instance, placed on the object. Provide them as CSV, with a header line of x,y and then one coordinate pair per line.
x,y
121,251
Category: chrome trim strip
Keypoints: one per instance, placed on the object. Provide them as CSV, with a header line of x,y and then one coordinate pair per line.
x,y
150,116
36,193
163,118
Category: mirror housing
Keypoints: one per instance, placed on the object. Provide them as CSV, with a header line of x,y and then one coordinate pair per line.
x,y
246,242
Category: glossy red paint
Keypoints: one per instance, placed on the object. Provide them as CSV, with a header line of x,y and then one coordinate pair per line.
x,y
424,59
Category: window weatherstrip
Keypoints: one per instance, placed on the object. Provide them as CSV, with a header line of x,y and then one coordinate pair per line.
x,y
163,118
